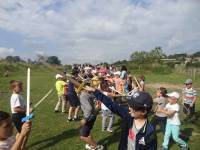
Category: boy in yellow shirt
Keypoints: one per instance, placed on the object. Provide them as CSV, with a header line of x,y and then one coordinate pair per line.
x,y
60,84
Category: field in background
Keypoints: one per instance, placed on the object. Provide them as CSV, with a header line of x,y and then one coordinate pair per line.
x,y
52,131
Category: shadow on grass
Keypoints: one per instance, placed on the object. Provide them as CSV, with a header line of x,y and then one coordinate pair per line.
x,y
51,141
113,137
185,136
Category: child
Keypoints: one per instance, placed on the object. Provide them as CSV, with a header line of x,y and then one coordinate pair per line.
x,y
7,140
189,100
142,82
18,106
160,118
89,113
137,133
60,84
119,83
105,111
173,122
73,102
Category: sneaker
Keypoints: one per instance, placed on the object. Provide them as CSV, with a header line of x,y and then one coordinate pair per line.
x,y
75,119
87,146
110,130
56,111
99,147
184,148
69,119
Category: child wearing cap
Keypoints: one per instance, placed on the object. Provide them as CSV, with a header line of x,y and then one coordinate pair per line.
x,y
189,99
173,122
60,88
137,132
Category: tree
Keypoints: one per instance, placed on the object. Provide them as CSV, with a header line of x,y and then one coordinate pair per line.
x,y
156,54
53,60
13,59
197,54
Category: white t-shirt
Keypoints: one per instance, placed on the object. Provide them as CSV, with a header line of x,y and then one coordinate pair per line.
x,y
16,101
103,107
7,144
173,120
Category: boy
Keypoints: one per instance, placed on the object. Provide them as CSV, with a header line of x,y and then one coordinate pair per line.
x,y
189,99
60,84
137,133
89,113
7,140
160,118
173,122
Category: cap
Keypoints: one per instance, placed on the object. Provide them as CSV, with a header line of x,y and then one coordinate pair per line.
x,y
141,99
58,76
188,81
174,94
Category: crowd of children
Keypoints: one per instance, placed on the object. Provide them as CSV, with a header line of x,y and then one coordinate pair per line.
x,y
111,91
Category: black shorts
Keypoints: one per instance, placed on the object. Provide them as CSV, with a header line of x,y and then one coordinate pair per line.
x,y
85,130
73,100
17,120
188,110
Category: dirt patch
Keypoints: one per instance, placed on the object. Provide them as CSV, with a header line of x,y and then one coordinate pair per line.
x,y
166,85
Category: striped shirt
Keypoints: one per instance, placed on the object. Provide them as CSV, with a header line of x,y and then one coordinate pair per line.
x,y
189,95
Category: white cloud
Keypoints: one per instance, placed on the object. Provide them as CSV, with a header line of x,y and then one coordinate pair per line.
x,y
102,30
6,51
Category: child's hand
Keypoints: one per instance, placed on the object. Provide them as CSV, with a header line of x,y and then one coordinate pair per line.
x,y
31,110
26,128
191,105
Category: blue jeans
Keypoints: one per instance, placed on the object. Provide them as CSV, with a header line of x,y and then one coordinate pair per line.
x,y
173,130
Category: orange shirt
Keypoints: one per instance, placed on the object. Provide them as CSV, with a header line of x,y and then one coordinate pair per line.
x,y
119,84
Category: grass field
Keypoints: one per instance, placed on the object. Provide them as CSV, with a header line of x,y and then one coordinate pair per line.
x,y
52,131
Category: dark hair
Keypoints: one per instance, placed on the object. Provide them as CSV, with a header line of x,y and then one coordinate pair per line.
x,y
3,116
123,68
163,91
141,109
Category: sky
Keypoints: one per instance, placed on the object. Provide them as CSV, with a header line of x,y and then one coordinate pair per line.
x,y
94,31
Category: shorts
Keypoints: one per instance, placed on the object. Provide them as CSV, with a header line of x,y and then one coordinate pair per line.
x,y
188,110
86,129
17,120
73,100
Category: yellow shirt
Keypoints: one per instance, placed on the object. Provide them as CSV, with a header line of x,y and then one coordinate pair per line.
x,y
60,87
95,82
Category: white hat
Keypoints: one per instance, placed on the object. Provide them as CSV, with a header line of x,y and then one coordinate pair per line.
x,y
174,94
87,68
58,76
117,73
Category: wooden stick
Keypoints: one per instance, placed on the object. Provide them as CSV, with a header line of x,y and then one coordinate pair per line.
x,y
137,82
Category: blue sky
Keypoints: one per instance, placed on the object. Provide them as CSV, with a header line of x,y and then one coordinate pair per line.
x,y
97,30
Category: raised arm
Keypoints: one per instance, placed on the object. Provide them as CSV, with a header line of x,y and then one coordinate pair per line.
x,y
107,101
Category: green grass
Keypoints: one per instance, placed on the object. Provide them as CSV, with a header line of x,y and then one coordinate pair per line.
x,y
52,131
